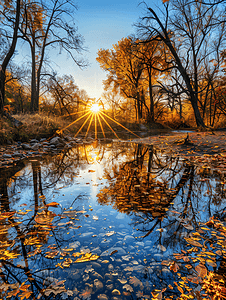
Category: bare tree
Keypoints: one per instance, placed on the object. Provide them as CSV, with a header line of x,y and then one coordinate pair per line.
x,y
45,25
64,94
191,25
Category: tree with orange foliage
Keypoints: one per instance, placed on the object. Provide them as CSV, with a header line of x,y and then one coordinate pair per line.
x,y
133,68
124,70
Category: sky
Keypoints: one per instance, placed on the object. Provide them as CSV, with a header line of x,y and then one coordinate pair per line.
x,y
102,23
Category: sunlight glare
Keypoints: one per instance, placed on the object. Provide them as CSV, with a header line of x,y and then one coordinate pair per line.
x,y
95,108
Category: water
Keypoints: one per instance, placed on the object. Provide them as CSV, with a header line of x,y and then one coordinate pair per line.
x,y
109,221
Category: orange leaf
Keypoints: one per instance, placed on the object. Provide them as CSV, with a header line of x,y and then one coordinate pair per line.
x,y
174,267
201,270
53,204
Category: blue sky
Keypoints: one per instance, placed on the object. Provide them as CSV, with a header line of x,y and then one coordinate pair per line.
x,y
102,24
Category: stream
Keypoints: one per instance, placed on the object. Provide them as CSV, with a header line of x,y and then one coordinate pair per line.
x,y
114,220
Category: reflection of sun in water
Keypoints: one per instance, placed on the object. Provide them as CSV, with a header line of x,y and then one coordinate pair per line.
x,y
95,108
95,114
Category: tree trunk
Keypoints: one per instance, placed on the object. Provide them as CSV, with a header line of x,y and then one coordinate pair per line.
x,y
139,113
2,90
192,95
33,77
152,113
8,57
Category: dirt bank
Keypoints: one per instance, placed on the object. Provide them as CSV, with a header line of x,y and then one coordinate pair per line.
x,y
197,143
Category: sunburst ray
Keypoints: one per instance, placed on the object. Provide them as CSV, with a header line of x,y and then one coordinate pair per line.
x,y
101,125
119,124
83,124
109,126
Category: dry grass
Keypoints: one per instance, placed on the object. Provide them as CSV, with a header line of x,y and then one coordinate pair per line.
x,y
34,126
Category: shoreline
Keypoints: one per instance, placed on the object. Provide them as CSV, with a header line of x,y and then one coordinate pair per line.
x,y
188,143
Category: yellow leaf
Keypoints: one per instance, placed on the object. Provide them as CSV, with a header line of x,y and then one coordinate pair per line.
x,y
193,243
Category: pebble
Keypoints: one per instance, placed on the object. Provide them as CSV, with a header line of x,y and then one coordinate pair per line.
x,y
9,155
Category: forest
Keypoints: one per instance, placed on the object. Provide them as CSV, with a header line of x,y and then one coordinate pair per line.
x,y
171,72
123,196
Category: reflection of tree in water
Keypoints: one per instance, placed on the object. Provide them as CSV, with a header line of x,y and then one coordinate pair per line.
x,y
151,184
161,193
166,196
32,242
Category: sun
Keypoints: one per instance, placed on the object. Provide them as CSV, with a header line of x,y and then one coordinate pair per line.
x,y
95,108
95,114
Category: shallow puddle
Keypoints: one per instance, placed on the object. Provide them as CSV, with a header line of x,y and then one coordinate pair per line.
x,y
113,221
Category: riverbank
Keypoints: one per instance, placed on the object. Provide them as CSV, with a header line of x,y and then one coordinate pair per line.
x,y
181,143
189,143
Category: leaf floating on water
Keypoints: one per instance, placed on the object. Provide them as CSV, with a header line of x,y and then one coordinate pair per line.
x,y
67,262
52,204
105,261
51,254
110,233
201,270
45,217
6,215
193,243
95,218
175,212
87,257
174,267
113,252
211,263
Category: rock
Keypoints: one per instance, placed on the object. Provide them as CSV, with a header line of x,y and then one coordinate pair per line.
x,y
110,267
6,156
128,238
75,245
36,146
143,127
102,297
98,284
57,141
34,141
17,154
116,292
96,275
26,146
85,234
